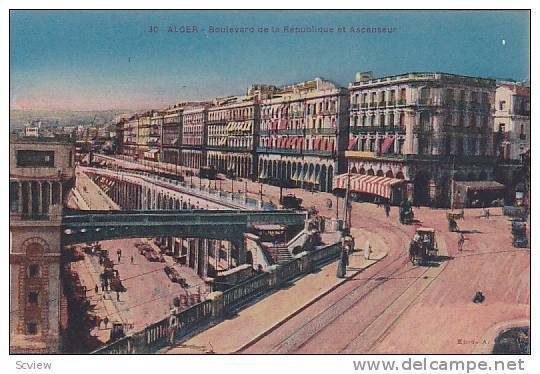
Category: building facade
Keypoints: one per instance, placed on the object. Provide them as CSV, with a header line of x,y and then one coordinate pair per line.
x,y
303,134
512,124
143,135
171,135
41,173
193,150
232,135
427,128
129,134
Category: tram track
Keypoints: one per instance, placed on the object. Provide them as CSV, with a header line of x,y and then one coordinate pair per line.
x,y
324,319
386,330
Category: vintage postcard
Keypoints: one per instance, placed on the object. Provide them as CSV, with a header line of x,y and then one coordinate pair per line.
x,y
270,182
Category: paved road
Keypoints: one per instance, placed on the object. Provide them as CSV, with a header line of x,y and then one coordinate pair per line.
x,y
397,308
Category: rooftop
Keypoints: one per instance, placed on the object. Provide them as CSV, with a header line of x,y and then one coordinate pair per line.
x,y
424,76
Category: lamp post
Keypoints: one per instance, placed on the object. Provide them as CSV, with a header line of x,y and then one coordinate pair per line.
x,y
452,183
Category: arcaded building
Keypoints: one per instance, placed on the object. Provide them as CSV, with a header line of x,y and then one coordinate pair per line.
x,y
424,128
41,174
303,134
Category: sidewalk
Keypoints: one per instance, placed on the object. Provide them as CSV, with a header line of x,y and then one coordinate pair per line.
x,y
254,322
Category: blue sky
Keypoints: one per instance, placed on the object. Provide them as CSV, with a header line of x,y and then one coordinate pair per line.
x,y
88,60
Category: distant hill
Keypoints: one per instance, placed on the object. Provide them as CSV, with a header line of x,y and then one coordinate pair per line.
x,y
20,117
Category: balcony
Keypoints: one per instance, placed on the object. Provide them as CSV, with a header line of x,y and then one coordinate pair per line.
x,y
380,129
317,152
216,122
285,151
426,101
402,102
321,131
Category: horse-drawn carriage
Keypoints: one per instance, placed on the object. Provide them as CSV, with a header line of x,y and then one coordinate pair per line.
x,y
406,214
423,246
519,233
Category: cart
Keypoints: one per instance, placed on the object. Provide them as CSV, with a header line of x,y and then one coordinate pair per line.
x,y
423,247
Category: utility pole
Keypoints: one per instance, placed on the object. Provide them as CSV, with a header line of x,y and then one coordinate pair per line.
x,y
346,212
337,207
452,183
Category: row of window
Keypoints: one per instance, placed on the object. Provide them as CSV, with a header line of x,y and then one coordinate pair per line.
x,y
232,114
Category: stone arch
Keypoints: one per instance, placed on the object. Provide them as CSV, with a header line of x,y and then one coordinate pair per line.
x,y
389,174
289,170
353,170
318,176
370,172
380,173
311,172
324,184
400,175
35,246
362,171
330,178
305,172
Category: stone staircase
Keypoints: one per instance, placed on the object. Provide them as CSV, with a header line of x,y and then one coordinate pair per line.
x,y
279,254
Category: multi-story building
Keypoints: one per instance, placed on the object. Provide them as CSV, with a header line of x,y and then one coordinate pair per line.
x,y
193,153
233,129
153,144
129,134
512,125
40,176
171,135
426,128
143,134
303,134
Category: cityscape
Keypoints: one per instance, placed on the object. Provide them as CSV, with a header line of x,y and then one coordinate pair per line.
x,y
297,217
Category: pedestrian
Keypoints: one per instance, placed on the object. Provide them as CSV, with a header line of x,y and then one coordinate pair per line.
x,y
106,321
96,289
461,241
367,250
387,209
132,260
117,296
343,263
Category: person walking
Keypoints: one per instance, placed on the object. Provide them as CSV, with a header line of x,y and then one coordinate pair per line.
x,y
387,209
461,241
367,250
343,263
131,260
96,289
106,321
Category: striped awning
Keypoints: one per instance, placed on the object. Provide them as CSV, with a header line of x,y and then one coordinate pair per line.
x,y
371,184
